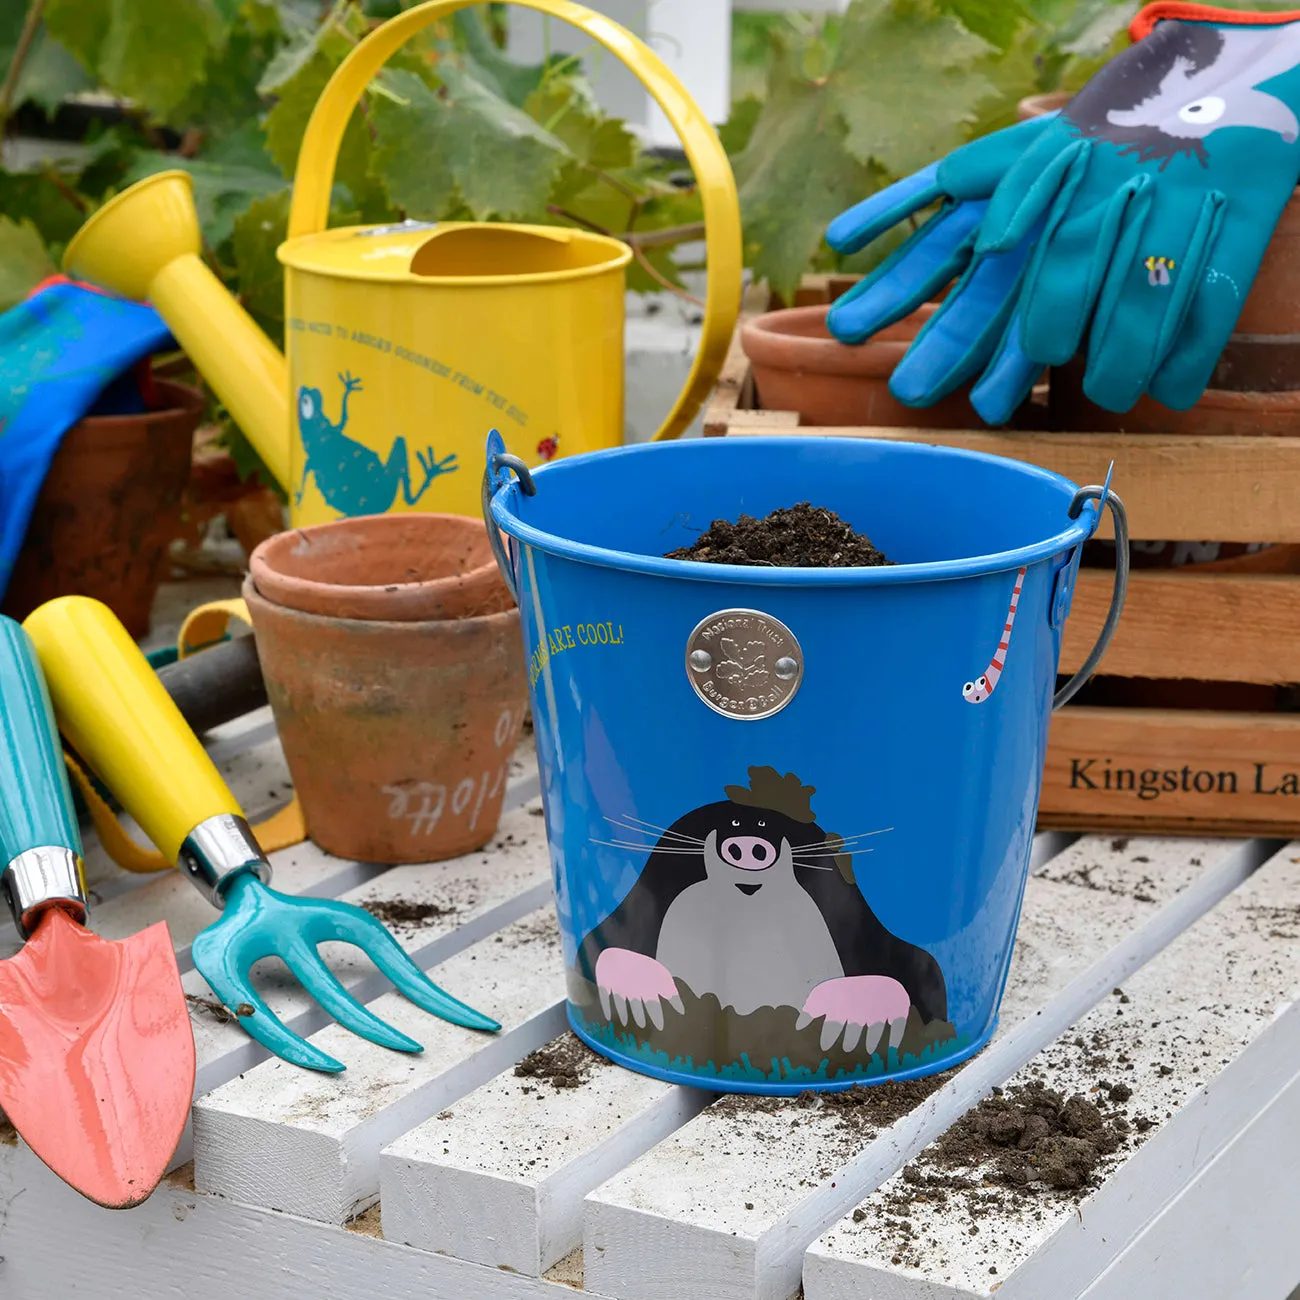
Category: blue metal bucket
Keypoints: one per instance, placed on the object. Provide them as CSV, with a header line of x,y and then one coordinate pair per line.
x,y
790,811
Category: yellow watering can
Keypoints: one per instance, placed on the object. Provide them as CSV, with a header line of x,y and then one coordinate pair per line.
x,y
406,343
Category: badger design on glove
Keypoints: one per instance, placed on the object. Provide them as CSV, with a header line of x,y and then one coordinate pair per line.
x,y
1185,81
751,901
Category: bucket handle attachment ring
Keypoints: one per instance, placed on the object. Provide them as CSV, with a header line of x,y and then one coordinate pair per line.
x,y
1104,497
498,461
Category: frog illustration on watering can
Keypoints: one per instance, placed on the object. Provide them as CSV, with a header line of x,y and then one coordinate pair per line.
x,y
455,327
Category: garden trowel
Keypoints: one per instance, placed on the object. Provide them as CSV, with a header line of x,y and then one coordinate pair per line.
x,y
96,1051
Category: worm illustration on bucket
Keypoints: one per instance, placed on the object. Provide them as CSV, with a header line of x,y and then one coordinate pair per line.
x,y
787,852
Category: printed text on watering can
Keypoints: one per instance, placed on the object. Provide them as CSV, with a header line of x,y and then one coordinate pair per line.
x,y
496,400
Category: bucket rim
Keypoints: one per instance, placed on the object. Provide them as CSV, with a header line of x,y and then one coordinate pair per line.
x,y
1078,531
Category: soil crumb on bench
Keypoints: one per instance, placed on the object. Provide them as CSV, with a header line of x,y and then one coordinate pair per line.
x,y
565,1063
402,911
1027,1140
800,537
8,1134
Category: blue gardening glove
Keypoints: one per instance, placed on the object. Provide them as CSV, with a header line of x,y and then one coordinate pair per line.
x,y
65,351
1136,219
962,337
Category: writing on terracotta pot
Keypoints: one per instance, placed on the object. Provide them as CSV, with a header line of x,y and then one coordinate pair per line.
x,y
571,636
425,803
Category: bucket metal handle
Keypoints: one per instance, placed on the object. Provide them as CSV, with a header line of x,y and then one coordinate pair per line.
x,y
498,461
1104,497
314,176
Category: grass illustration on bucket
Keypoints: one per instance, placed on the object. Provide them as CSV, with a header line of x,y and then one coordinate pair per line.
x,y
790,810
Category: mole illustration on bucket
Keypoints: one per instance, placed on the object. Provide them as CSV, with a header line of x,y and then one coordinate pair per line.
x,y
405,341
790,811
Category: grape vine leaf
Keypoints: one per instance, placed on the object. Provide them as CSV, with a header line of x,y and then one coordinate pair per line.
x,y
258,231
996,21
795,174
156,51
904,85
24,263
221,190
47,200
80,27
461,140
49,72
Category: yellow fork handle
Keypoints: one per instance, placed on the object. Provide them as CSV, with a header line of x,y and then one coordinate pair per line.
x,y
117,715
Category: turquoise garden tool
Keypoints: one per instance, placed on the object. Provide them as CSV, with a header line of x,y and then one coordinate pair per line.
x,y
1130,225
117,715
96,1051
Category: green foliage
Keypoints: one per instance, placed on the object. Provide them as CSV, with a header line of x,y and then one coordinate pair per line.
x,y
24,262
827,109
451,129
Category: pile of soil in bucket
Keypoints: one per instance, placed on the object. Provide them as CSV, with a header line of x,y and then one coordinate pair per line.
x,y
800,537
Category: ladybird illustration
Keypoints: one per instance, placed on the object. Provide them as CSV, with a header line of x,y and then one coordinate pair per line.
x,y
547,448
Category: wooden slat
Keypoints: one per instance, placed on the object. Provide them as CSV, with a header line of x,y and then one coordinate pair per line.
x,y
734,388
1255,1250
1192,1011
683,1216
1176,488
309,1143
180,1243
1214,627
500,1179
1239,770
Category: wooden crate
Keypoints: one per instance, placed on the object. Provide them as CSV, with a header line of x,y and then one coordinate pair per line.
x,y
1231,772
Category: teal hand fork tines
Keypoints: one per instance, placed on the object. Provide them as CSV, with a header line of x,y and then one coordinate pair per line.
x,y
119,718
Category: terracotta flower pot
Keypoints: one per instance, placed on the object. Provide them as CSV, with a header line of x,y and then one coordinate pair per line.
x,y
1218,412
799,366
108,509
401,568
1273,304
398,725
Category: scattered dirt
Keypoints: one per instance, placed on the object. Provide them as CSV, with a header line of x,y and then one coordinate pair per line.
x,y
404,912
367,1224
853,1117
220,1013
567,1062
1033,1136
8,1134
769,1035
802,537
568,1272
182,1178
1140,890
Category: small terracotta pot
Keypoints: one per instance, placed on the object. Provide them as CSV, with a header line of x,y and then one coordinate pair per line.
x,y
799,366
108,508
398,732
1218,412
402,568
1273,304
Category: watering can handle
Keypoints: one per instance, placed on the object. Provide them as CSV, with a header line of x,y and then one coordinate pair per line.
x,y
314,177
1104,497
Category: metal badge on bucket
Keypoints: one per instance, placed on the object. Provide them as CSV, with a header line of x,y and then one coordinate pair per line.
x,y
827,894
744,664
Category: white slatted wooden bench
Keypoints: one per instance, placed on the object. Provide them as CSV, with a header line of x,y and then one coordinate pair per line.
x,y
449,1175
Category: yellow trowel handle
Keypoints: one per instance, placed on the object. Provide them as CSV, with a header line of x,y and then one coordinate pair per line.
x,y
314,176
117,715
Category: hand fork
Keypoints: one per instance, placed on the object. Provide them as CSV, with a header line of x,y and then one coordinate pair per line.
x,y
117,715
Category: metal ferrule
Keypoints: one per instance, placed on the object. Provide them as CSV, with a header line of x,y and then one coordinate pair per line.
x,y
41,878
218,849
